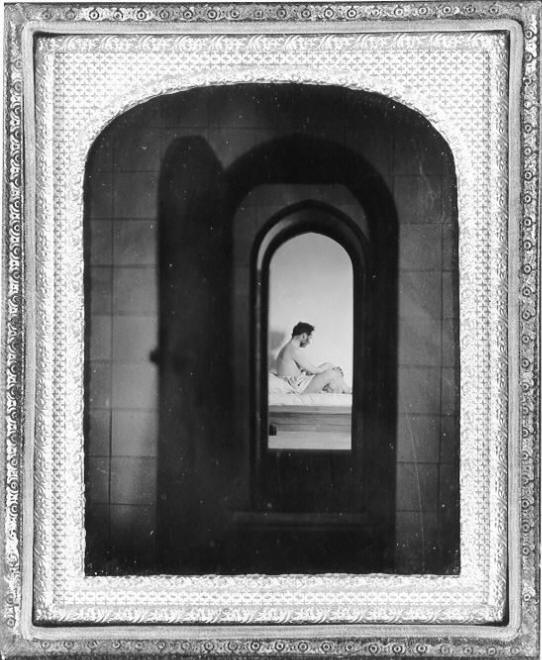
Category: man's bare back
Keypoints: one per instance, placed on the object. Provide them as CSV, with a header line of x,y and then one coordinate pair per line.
x,y
287,364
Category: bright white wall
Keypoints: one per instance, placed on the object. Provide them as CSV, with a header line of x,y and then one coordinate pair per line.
x,y
311,280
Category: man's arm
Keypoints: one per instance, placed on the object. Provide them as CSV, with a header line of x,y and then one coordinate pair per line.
x,y
307,365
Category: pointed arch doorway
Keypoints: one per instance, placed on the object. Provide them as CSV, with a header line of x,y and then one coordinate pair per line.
x,y
308,457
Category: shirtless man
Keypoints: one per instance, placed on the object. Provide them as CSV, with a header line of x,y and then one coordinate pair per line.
x,y
303,376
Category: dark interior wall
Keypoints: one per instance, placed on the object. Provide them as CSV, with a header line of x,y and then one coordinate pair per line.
x,y
122,233
252,215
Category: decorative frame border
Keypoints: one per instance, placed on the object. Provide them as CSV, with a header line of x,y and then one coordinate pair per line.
x,y
64,133
520,635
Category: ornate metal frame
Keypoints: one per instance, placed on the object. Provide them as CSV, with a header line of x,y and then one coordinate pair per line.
x,y
473,69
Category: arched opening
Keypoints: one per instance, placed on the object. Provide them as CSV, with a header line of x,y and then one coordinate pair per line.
x,y
310,277
187,197
308,456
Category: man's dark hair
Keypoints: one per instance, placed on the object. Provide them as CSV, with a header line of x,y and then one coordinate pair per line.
x,y
302,328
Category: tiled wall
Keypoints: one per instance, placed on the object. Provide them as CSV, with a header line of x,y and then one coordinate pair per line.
x,y
122,206
123,330
428,428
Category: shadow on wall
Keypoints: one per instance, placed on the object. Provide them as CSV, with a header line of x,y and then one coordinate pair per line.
x,y
277,339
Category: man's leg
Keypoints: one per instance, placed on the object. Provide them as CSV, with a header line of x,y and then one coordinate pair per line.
x,y
329,377
338,386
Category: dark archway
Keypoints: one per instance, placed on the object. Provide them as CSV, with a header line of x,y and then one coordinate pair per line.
x,y
296,220
298,159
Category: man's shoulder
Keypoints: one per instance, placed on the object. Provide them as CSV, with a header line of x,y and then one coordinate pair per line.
x,y
295,352
283,351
